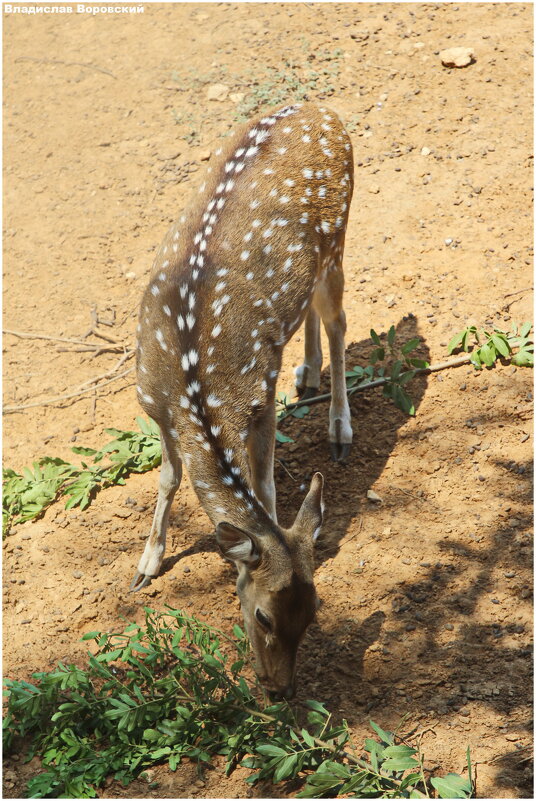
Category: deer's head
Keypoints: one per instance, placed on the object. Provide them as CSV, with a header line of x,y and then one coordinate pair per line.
x,y
275,587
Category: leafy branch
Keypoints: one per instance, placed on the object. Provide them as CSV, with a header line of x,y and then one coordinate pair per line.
x,y
400,366
26,495
488,346
173,689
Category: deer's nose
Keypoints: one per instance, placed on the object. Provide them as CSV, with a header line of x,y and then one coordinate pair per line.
x,y
282,695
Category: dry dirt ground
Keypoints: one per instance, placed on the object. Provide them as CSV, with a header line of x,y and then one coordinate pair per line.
x,y
426,597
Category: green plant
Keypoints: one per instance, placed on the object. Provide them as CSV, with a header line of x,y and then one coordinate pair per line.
x,y
296,83
487,346
26,495
285,408
173,689
192,134
398,369
400,366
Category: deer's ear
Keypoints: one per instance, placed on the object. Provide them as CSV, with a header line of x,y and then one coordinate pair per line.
x,y
309,518
237,545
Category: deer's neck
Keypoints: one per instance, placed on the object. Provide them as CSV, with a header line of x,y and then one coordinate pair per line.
x,y
216,459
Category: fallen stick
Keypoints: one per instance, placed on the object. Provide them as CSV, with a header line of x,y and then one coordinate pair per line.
x,y
379,382
11,409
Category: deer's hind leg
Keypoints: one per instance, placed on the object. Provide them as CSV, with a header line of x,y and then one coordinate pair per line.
x,y
170,479
327,300
308,373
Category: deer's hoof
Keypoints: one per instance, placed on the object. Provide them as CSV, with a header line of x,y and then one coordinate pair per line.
x,y
304,393
139,581
340,451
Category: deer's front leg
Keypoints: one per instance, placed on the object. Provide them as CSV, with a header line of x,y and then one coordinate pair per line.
x,y
170,479
260,445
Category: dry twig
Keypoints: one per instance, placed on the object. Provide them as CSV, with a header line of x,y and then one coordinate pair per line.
x,y
21,407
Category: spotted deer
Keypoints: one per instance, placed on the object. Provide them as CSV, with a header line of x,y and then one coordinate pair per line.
x,y
258,253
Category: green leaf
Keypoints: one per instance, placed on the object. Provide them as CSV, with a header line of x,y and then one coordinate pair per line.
x,y
406,376
282,437
385,736
308,738
378,354
300,412
400,763
402,400
469,769
267,749
83,451
391,334
409,780
456,341
421,364
374,336
396,369
238,632
150,735
475,360
90,635
286,768
525,329
317,707
410,345
501,344
523,358
488,354
452,786
399,751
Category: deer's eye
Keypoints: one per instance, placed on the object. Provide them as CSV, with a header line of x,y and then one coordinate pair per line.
x,y
263,619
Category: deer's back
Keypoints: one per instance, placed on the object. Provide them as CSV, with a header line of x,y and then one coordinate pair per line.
x,y
233,278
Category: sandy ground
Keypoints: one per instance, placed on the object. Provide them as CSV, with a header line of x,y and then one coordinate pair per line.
x,y
426,597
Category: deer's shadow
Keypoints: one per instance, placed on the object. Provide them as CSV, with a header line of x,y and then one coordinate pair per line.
x,y
375,423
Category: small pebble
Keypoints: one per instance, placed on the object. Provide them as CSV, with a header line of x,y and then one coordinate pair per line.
x,y
509,574
373,496
463,387
495,601
77,574
410,626
449,626
187,569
